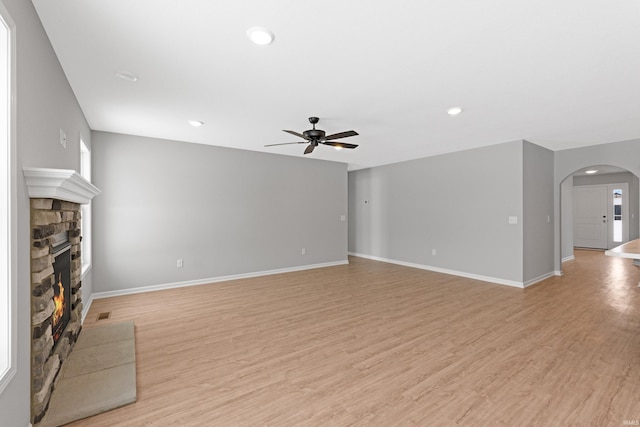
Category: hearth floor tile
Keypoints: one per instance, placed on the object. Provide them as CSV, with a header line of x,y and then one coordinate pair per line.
x,y
91,394
90,359
98,375
101,334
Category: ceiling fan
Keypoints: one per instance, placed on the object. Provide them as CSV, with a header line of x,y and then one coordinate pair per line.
x,y
316,136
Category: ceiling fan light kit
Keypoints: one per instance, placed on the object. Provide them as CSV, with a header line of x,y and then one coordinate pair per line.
x,y
314,137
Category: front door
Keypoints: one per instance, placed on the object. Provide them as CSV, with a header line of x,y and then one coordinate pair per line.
x,y
590,216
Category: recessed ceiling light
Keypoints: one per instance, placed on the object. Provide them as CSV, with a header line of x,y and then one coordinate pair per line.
x,y
591,171
195,123
454,111
260,35
337,148
125,75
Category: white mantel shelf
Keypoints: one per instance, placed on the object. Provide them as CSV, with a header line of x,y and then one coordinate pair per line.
x,y
61,184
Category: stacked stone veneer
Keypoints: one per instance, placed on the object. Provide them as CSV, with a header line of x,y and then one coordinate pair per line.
x,y
49,217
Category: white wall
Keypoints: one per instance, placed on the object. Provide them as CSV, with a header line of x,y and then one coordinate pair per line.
x,y
457,203
624,154
224,212
45,103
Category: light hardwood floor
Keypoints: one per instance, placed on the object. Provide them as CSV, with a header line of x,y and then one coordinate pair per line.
x,y
371,343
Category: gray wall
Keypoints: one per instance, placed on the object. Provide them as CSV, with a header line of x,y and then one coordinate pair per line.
x,y
538,255
457,203
624,154
223,211
566,214
45,103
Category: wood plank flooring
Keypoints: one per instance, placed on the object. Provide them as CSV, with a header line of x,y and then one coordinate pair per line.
x,y
371,343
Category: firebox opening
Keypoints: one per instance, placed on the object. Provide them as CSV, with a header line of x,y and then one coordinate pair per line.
x,y
61,286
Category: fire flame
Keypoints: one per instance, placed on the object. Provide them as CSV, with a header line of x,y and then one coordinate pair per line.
x,y
59,301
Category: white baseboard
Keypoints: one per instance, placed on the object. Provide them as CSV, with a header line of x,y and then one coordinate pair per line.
x,y
540,278
568,258
130,291
489,279
85,308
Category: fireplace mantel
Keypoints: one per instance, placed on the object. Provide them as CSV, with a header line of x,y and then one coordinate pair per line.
x,y
61,184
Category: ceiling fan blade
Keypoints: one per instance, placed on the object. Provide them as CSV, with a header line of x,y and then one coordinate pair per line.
x,y
341,135
286,143
296,134
340,144
309,149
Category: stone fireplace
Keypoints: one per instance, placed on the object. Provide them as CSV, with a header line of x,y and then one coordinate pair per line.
x,y
56,266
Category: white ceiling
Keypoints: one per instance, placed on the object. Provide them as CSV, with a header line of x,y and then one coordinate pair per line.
x,y
602,170
559,73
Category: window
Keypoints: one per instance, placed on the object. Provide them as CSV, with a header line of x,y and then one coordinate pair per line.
x,y
7,205
617,215
85,210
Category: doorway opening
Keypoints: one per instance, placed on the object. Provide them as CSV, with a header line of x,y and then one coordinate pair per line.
x,y
599,210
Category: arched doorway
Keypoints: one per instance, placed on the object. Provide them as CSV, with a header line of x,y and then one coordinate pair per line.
x,y
599,208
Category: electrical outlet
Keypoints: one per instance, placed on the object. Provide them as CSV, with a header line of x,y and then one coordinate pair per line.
x,y
343,218
433,251
179,264
303,251
513,220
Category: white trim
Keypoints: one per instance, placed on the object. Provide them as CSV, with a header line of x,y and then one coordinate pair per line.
x,y
85,222
131,291
61,184
85,309
568,258
8,371
86,305
85,270
539,278
490,279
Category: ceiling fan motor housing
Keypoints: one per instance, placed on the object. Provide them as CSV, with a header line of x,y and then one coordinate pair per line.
x,y
317,136
314,134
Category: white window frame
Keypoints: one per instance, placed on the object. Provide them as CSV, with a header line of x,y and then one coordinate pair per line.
x,y
8,213
85,210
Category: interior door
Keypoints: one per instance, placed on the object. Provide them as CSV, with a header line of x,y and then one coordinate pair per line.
x,y
590,216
